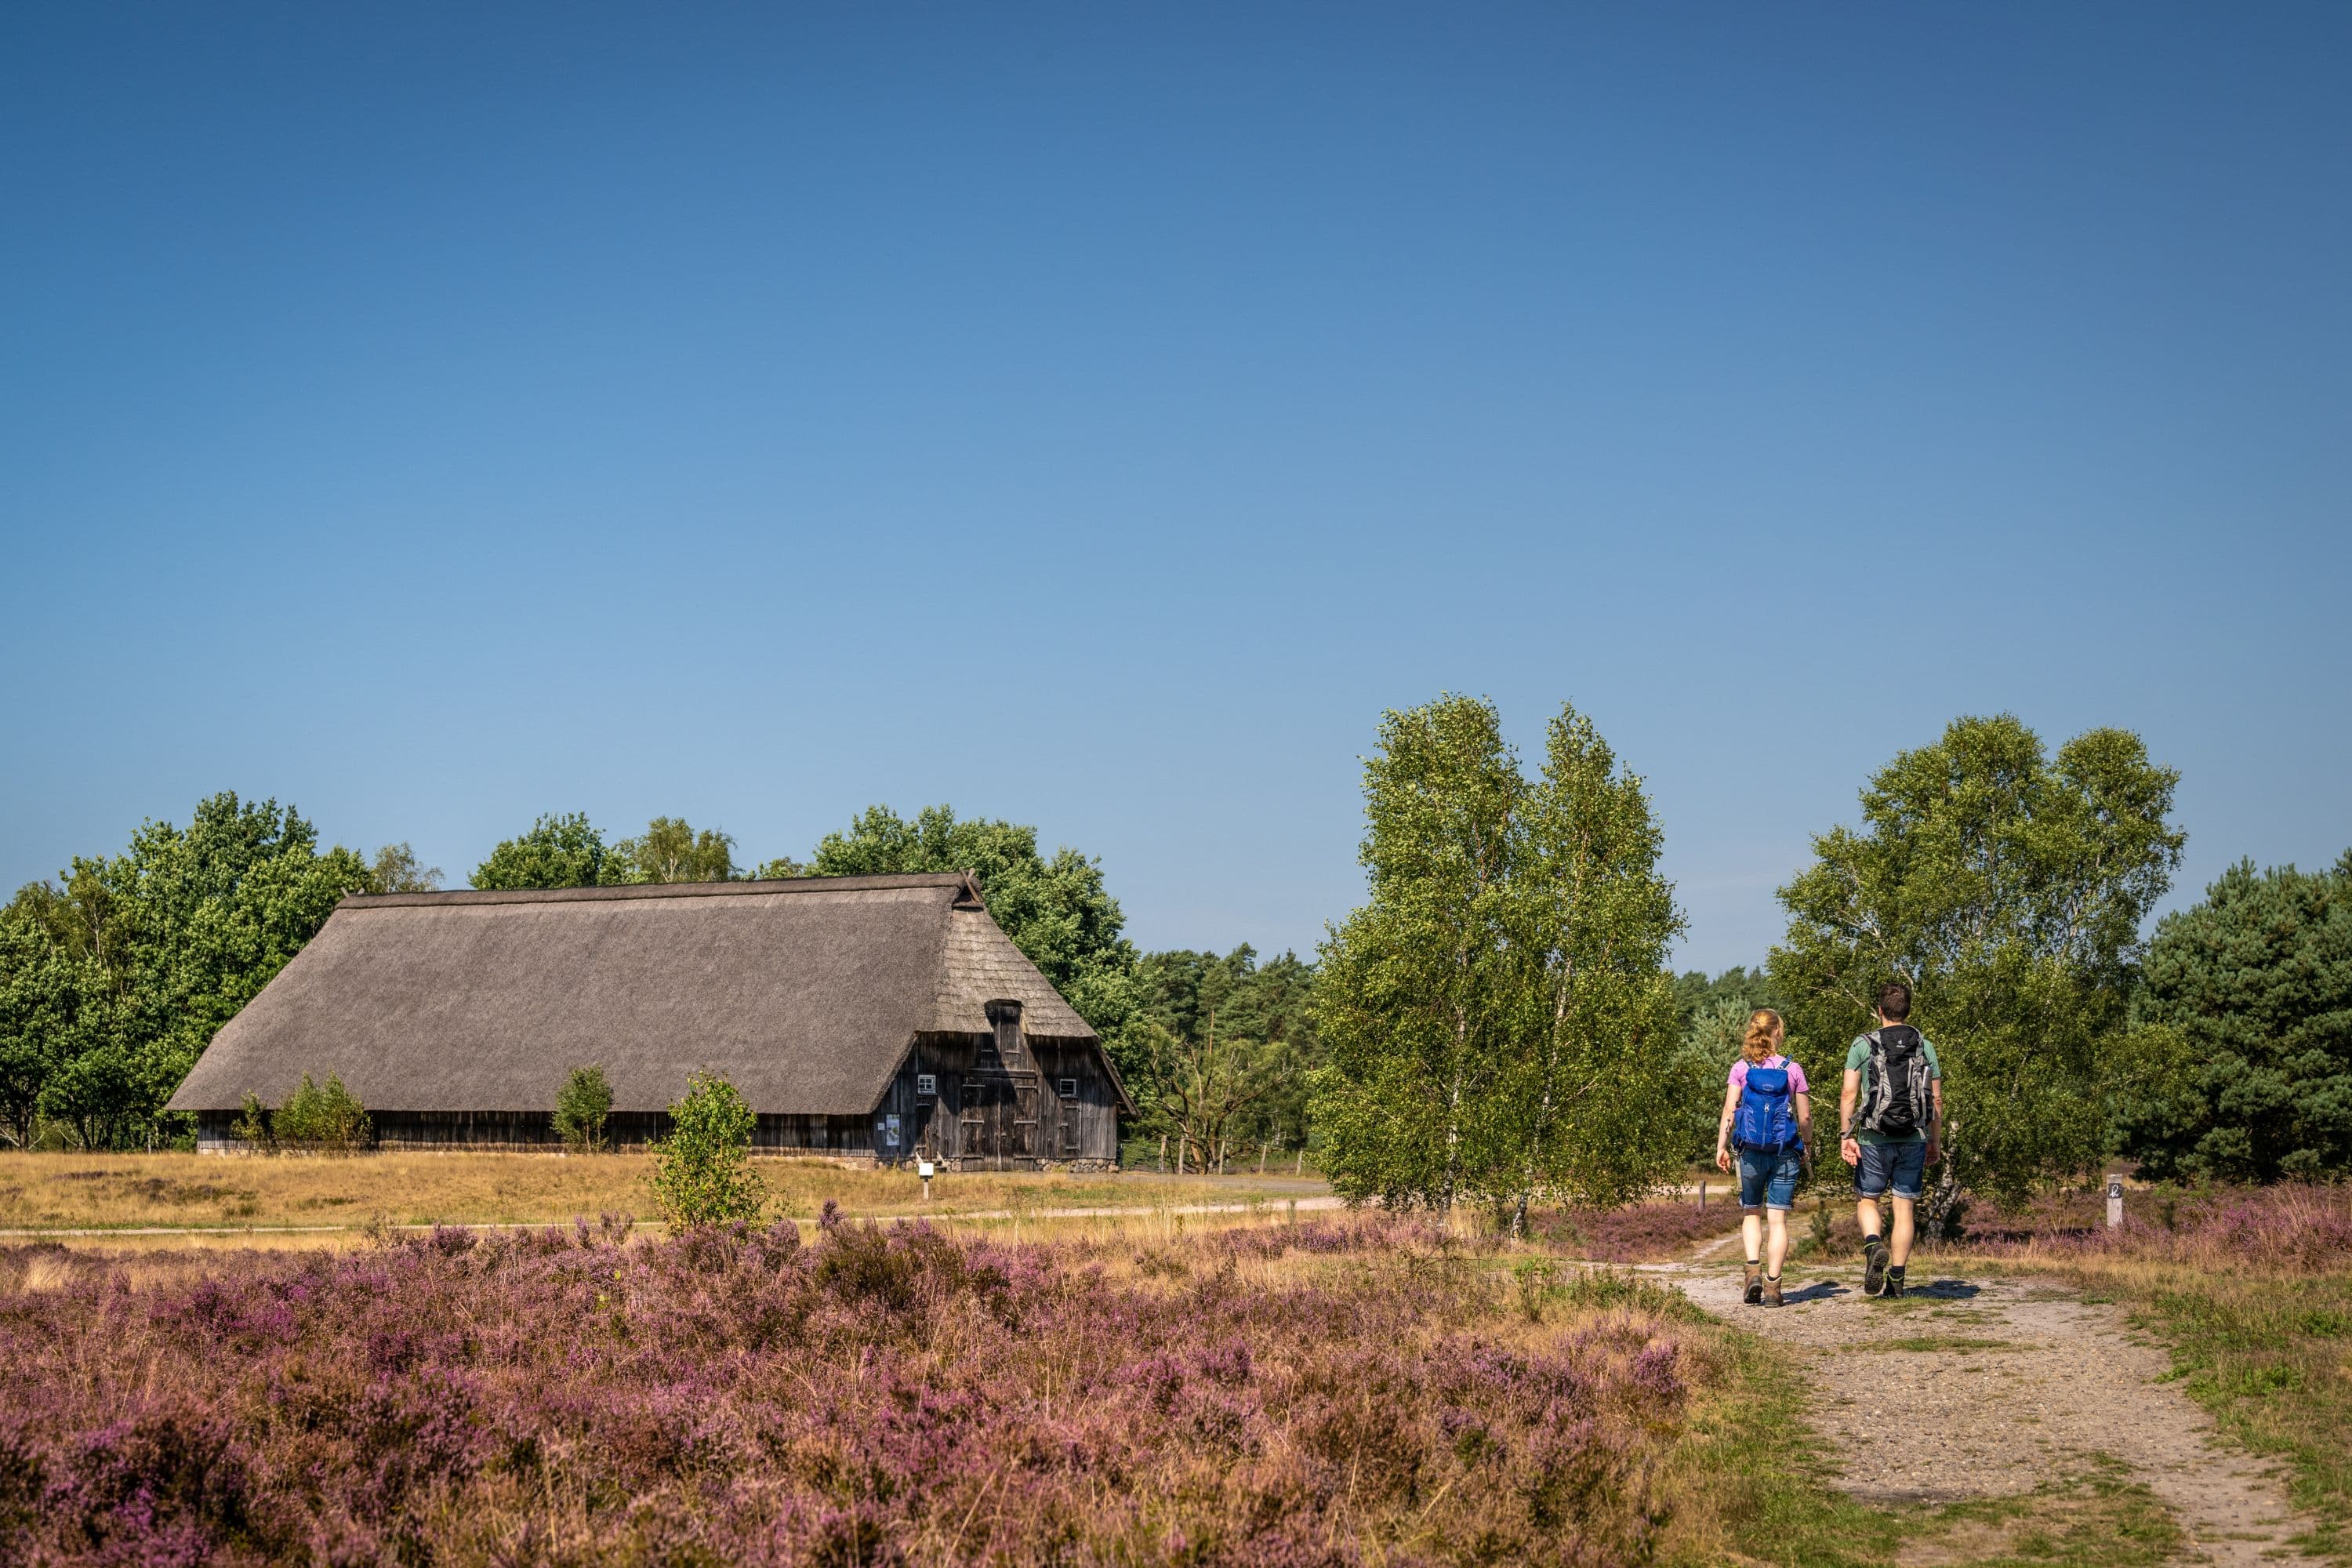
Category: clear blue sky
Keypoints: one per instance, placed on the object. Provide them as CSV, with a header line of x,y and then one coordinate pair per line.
x,y
436,416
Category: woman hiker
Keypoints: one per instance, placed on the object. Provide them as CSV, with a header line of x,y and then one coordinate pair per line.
x,y
1767,1114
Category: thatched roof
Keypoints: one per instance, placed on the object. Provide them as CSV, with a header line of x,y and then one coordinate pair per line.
x,y
805,995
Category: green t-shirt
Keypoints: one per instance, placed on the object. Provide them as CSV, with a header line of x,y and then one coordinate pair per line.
x,y
1858,1059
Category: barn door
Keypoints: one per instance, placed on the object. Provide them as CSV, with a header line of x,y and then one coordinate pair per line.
x,y
1025,1144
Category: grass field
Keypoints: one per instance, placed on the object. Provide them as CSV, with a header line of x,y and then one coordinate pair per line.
x,y
115,1192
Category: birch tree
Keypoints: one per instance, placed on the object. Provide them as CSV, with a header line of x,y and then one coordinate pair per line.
x,y
1498,1015
2008,889
1587,1106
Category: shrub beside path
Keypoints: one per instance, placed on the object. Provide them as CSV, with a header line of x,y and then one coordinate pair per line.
x,y
1993,1386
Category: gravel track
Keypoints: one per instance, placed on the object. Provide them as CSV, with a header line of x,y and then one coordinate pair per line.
x,y
2007,1383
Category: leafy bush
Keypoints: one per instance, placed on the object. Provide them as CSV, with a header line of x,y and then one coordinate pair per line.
x,y
703,1174
580,1107
252,1124
326,1117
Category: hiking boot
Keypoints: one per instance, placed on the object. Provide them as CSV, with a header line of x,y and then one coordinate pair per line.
x,y
1753,1289
1893,1289
1771,1292
1873,1267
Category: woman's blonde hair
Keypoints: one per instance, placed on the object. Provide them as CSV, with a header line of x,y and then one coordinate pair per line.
x,y
1763,1034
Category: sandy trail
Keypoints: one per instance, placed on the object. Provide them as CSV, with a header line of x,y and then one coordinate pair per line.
x,y
2005,1383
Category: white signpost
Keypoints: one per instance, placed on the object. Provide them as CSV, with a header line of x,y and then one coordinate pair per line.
x,y
923,1169
2115,1200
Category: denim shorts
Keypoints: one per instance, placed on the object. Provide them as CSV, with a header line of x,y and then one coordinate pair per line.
x,y
1900,1166
1768,1180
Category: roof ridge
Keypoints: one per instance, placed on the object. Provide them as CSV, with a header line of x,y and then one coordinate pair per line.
x,y
965,882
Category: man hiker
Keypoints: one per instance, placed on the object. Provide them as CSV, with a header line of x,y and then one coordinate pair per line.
x,y
1890,1130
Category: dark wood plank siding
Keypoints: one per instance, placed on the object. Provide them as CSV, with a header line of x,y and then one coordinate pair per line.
x,y
984,1114
848,1137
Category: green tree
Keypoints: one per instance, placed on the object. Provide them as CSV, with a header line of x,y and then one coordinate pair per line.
x,y
187,926
396,869
702,1172
1496,1014
1412,996
2008,889
582,1106
2245,1070
326,1117
1197,1086
1056,909
1184,992
669,850
778,869
47,995
564,851
1591,922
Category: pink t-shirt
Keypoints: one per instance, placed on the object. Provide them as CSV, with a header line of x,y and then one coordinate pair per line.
x,y
1796,1073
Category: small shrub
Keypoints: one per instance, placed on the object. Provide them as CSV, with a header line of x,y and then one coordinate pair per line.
x,y
326,1117
582,1106
252,1125
703,1173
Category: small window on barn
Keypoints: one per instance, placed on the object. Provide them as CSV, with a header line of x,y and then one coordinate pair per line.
x,y
1069,1089
927,1086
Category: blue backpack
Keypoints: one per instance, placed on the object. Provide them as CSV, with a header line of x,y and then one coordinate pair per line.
x,y
1767,1118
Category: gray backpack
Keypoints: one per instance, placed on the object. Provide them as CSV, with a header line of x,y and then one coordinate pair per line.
x,y
1897,1104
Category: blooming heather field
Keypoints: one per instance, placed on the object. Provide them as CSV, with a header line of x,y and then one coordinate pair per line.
x,y
1319,1393
2287,1230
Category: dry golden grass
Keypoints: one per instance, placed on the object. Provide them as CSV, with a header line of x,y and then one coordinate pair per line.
x,y
181,1192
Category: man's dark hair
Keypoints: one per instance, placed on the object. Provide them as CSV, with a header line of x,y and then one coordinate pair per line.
x,y
1895,1001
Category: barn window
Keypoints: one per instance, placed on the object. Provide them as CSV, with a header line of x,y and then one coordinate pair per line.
x,y
1069,1089
927,1086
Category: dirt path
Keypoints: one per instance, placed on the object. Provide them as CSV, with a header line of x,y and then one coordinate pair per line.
x,y
1988,1387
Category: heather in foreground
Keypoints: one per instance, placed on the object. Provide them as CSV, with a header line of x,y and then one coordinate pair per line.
x,y
1319,1394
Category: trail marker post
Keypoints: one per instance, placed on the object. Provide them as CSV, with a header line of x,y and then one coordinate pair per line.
x,y
923,1168
2115,1200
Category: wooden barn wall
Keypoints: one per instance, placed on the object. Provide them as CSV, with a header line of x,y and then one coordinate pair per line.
x,y
850,1137
973,1115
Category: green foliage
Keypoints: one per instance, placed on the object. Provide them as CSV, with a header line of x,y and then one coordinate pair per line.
x,y
327,1117
1054,909
127,972
671,850
1496,1014
1197,1089
702,1172
580,1107
252,1124
2243,1066
564,851
779,869
396,869
2008,889
50,1000
1187,997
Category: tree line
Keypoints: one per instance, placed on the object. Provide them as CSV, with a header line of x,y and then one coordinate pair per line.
x,y
116,974
1497,1025
1502,1026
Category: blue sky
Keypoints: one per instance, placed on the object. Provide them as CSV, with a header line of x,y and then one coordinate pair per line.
x,y
1097,416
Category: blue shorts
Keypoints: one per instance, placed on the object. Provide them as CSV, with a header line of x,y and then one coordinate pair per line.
x,y
1899,1165
1768,1180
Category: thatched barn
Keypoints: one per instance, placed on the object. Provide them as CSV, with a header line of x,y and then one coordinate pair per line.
x,y
863,1017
